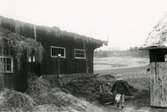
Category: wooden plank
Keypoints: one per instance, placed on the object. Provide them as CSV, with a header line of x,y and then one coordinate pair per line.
x,y
1,81
158,84
163,83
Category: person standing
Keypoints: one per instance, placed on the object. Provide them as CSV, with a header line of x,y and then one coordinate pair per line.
x,y
120,89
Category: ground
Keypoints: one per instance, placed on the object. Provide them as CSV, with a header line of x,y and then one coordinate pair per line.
x,y
133,70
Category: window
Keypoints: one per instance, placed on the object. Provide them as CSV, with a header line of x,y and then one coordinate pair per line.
x,y
57,51
79,54
165,57
6,64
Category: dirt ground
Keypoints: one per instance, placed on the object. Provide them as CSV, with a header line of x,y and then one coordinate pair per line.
x,y
137,77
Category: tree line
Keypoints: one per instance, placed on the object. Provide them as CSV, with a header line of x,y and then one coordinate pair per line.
x,y
133,51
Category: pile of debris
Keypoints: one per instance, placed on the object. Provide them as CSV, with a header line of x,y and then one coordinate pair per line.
x,y
59,101
42,98
12,100
39,89
96,87
87,87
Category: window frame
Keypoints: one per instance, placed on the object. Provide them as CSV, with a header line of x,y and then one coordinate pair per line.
x,y
12,65
57,48
75,49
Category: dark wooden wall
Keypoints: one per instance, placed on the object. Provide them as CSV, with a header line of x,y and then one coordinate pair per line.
x,y
68,64
49,37
16,80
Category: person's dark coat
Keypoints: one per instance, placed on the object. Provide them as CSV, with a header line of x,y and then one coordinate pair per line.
x,y
121,87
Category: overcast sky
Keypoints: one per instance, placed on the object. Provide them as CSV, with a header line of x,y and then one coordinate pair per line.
x,y
125,22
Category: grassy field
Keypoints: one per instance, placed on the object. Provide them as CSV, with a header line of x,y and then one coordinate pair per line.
x,y
133,70
108,63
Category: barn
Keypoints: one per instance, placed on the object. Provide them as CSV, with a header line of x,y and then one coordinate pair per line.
x,y
47,51
156,44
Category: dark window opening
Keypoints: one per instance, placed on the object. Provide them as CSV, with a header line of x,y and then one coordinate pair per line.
x,y
157,58
79,54
6,64
57,51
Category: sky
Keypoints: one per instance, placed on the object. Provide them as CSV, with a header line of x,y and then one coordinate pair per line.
x,y
124,23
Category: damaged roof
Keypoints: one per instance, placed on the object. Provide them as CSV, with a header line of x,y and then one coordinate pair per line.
x,y
157,38
14,25
20,43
